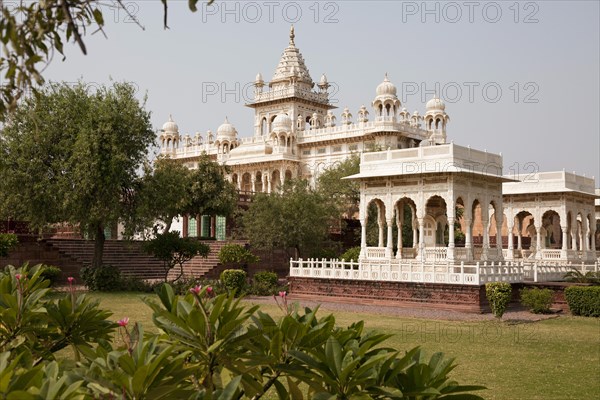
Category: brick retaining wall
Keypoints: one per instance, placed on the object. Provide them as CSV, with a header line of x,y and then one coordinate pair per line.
x,y
469,298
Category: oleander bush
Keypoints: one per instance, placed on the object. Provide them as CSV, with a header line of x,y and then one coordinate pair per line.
x,y
498,295
106,278
537,300
209,347
234,280
237,255
51,273
264,283
583,300
8,241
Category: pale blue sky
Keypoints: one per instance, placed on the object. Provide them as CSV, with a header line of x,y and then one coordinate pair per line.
x,y
543,56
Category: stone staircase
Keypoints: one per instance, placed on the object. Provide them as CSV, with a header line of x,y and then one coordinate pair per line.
x,y
72,254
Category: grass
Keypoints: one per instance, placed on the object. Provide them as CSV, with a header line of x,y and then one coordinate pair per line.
x,y
551,359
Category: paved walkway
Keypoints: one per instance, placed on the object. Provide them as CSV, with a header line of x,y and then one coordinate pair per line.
x,y
406,311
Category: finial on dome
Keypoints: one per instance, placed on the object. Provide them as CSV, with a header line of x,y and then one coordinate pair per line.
x,y
170,118
292,36
385,78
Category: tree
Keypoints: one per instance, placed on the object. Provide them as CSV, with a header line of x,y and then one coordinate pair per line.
x,y
174,250
72,156
345,192
170,190
297,217
160,196
210,193
31,33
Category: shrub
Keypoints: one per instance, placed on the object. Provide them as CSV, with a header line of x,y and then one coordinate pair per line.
x,y
234,280
106,278
264,283
51,273
8,241
537,300
584,300
351,254
236,254
498,295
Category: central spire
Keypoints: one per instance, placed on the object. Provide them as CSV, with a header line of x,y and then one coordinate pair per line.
x,y
292,36
291,69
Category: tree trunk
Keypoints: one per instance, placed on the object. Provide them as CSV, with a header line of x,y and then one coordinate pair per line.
x,y
168,225
98,247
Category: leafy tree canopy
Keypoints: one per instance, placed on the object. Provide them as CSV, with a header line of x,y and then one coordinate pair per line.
x,y
345,192
32,32
170,189
297,217
69,155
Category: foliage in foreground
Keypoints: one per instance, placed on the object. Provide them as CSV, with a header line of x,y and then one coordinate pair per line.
x,y
498,295
583,300
210,347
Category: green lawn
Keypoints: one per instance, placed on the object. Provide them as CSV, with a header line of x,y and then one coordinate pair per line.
x,y
552,359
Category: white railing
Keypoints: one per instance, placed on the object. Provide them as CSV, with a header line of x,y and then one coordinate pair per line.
x,y
550,254
436,254
545,273
395,271
376,252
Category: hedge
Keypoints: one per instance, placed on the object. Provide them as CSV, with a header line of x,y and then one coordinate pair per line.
x,y
584,300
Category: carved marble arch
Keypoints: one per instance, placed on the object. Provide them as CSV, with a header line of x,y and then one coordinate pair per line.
x,y
258,182
264,127
552,238
234,180
460,215
246,182
288,175
525,224
476,219
375,222
435,221
590,231
492,209
275,180
405,211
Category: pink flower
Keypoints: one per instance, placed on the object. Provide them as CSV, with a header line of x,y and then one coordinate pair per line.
x,y
282,294
196,289
18,276
123,322
70,280
209,290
